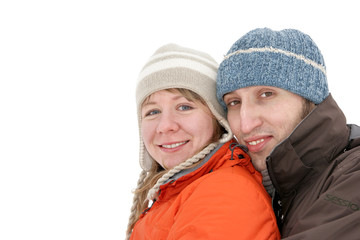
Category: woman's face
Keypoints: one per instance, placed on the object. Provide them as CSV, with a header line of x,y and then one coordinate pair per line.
x,y
174,128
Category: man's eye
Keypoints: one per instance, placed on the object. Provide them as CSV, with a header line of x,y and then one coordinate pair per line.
x,y
233,103
266,94
185,108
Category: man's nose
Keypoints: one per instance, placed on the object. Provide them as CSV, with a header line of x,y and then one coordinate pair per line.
x,y
250,117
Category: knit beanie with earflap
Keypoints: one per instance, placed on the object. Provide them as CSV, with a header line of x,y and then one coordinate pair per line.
x,y
173,66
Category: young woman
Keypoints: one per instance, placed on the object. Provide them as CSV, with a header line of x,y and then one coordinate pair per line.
x,y
197,182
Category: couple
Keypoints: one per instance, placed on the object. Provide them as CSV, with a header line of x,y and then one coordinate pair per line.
x,y
271,154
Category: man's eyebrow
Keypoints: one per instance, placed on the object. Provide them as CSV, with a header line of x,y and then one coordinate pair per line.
x,y
227,94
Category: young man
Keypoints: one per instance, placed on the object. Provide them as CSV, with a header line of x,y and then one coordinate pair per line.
x,y
273,85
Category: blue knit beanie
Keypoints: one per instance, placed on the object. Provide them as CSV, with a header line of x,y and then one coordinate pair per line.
x,y
287,59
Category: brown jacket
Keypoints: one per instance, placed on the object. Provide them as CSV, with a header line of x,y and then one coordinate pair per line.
x,y
316,174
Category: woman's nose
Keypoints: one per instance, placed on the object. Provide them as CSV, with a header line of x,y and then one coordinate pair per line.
x,y
167,123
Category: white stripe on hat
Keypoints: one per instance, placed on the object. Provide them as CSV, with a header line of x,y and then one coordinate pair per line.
x,y
276,50
185,54
178,63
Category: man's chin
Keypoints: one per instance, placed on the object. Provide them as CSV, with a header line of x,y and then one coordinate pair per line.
x,y
258,162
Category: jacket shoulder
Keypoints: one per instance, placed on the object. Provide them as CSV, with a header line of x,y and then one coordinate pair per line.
x,y
348,162
228,204
233,185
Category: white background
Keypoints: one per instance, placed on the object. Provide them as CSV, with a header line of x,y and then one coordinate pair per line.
x,y
68,125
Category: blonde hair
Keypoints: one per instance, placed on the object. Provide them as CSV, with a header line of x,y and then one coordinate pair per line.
x,y
150,182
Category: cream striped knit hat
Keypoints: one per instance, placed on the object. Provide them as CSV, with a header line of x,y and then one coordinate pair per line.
x,y
173,66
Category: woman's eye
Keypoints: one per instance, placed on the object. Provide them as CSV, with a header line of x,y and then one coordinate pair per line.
x,y
152,112
185,108
266,94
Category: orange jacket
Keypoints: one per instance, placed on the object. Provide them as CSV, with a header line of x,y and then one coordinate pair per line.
x,y
223,199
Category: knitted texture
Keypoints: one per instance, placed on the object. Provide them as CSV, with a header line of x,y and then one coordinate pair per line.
x,y
173,66
287,59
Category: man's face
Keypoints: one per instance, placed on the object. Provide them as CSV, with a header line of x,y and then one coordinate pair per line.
x,y
261,117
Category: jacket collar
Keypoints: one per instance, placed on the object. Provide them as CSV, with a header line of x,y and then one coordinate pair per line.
x,y
310,148
225,155
197,166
